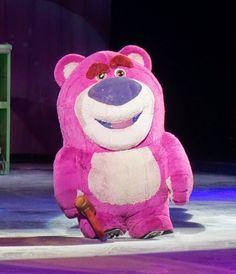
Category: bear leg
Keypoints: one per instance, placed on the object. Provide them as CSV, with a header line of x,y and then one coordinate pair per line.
x,y
86,228
113,225
149,223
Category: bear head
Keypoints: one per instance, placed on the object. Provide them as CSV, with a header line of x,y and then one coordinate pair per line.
x,y
109,100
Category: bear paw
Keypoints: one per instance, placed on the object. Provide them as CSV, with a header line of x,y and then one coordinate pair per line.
x,y
116,232
154,234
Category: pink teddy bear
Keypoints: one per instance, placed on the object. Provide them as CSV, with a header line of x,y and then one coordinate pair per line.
x,y
115,148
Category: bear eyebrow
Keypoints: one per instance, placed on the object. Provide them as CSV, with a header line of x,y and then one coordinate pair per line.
x,y
96,69
121,60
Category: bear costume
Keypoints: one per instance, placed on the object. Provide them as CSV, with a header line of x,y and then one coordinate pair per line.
x,y
115,150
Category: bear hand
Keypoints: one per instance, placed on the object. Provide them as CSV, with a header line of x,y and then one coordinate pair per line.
x,y
180,198
66,201
180,188
71,213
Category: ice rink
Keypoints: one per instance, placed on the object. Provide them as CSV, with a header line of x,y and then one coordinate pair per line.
x,y
35,237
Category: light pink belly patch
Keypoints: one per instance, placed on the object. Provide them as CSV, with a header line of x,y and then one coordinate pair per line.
x,y
124,177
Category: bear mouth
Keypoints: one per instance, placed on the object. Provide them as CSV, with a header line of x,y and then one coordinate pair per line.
x,y
119,125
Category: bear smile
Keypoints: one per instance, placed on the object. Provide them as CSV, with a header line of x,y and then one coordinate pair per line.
x,y
119,125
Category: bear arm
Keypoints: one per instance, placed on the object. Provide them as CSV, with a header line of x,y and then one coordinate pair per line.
x,y
180,180
67,172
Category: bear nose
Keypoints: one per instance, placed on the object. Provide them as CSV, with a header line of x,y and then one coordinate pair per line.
x,y
115,91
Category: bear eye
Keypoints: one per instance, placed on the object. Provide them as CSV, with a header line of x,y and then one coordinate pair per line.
x,y
101,76
120,73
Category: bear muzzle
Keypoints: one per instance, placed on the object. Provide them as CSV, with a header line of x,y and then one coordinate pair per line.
x,y
115,91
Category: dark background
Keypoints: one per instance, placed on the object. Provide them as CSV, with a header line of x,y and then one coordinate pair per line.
x,y
41,32
191,46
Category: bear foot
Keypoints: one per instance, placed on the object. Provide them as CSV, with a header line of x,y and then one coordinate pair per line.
x,y
154,234
116,232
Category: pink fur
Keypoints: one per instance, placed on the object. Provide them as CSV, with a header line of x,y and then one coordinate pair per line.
x,y
59,76
73,161
137,50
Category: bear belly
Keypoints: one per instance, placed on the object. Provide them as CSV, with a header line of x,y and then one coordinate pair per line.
x,y
124,177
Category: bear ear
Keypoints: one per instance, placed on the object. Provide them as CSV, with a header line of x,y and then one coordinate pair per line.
x,y
137,54
65,66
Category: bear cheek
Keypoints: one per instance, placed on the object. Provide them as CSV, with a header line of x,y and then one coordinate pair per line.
x,y
80,110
